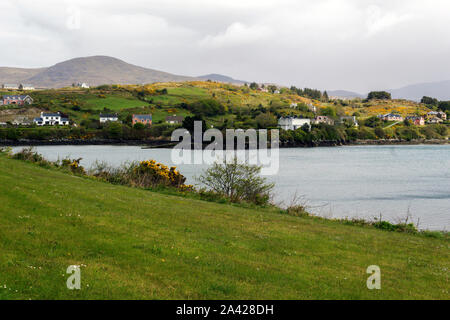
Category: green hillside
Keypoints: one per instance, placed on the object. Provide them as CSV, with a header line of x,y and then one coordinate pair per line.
x,y
222,106
134,244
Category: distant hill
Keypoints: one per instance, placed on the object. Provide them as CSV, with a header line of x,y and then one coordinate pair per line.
x,y
17,75
345,94
415,92
221,78
96,70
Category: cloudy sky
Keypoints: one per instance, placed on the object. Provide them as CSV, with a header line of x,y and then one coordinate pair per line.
x,y
328,44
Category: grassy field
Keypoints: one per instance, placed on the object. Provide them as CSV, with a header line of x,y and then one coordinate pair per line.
x,y
113,103
86,104
137,244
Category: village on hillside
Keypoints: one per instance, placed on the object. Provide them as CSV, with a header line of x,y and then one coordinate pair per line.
x,y
162,107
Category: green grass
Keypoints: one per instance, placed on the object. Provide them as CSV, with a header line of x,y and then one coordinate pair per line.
x,y
184,92
176,96
160,115
112,103
137,244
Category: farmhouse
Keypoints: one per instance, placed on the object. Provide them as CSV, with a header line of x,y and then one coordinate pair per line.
x,y
418,121
438,114
434,120
145,119
81,85
51,119
391,117
16,99
26,87
174,119
108,118
292,123
323,119
10,86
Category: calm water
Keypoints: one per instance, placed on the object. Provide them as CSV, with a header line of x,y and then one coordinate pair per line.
x,y
363,181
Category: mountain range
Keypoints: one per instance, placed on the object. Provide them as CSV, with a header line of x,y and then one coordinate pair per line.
x,y
344,94
439,90
98,70
222,78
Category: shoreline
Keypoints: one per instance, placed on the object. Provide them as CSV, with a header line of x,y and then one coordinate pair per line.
x,y
170,144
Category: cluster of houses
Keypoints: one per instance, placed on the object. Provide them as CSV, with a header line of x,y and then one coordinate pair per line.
x,y
19,100
145,119
22,87
58,119
264,89
293,123
432,117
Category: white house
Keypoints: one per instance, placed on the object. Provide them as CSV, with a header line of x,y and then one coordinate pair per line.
x,y
26,87
51,119
442,115
292,123
10,86
83,85
323,119
434,120
174,119
108,118
391,117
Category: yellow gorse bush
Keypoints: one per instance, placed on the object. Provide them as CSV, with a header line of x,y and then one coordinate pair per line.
x,y
150,173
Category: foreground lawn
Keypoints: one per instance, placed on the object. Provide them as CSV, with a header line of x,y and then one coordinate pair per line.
x,y
136,244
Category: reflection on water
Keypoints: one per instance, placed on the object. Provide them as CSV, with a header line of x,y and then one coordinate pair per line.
x,y
363,181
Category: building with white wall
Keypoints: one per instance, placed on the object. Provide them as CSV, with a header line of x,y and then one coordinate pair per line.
x,y
291,123
51,119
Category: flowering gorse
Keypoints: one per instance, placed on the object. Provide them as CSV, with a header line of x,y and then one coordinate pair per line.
x,y
150,173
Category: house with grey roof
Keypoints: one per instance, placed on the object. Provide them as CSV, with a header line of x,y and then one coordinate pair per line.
x,y
174,119
145,119
108,117
51,119
292,123
391,117
17,100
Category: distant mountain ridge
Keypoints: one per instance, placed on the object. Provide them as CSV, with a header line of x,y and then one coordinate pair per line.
x,y
344,94
221,78
439,90
96,70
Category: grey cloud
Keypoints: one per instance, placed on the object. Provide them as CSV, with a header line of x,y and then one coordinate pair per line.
x,y
335,44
